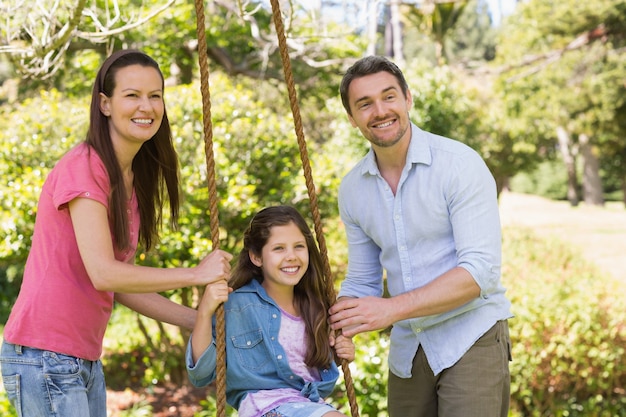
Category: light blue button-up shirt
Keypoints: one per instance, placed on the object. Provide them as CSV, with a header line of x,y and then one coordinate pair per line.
x,y
444,215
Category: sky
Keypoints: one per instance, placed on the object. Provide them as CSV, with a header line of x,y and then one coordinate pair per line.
x,y
500,8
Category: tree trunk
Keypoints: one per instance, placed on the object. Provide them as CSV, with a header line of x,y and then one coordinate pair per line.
x,y
372,26
396,30
565,145
502,183
592,183
388,32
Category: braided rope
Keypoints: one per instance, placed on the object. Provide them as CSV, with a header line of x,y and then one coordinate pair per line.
x,y
297,120
220,328
211,179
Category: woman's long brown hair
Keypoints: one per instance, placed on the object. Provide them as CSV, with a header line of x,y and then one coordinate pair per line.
x,y
309,293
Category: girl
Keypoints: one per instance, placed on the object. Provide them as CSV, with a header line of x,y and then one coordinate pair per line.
x,y
102,199
280,360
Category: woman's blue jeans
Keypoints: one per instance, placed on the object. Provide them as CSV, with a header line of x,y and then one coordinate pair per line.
x,y
41,383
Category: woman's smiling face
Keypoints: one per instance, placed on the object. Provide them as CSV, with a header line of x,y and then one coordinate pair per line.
x,y
136,107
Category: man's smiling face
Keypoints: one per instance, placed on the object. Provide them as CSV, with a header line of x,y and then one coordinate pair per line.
x,y
379,108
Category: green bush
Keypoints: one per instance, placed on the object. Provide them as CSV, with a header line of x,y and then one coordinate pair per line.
x,y
6,410
369,373
568,333
148,353
34,134
548,179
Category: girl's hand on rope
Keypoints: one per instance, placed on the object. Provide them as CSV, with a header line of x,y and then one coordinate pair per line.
x,y
214,267
344,346
358,315
214,294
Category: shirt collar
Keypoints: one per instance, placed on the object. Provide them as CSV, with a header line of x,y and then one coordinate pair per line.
x,y
418,152
254,286
419,148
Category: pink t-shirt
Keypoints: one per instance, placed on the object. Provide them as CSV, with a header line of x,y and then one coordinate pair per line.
x,y
58,309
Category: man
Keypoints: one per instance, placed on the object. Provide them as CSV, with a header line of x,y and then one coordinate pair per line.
x,y
424,209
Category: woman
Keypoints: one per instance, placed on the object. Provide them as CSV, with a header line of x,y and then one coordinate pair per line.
x,y
101,200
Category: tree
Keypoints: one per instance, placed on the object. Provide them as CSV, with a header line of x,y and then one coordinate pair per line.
x,y
46,39
564,70
472,42
436,18
37,34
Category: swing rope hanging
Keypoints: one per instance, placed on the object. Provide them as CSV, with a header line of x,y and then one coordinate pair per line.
x,y
220,328
297,120
211,179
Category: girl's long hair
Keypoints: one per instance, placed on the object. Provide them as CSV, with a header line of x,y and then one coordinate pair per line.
x,y
309,294
155,166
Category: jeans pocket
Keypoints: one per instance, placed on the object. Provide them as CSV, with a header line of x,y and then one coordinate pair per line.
x,y
62,373
58,364
12,388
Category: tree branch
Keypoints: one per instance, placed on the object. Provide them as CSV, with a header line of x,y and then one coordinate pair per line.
x,y
541,61
579,42
100,37
37,41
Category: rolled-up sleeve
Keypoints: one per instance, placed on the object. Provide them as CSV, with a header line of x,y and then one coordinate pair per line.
x,y
475,220
201,373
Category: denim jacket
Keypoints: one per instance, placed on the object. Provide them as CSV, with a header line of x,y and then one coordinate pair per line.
x,y
256,360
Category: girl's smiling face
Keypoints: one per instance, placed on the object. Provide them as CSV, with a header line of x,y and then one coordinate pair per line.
x,y
284,258
136,107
